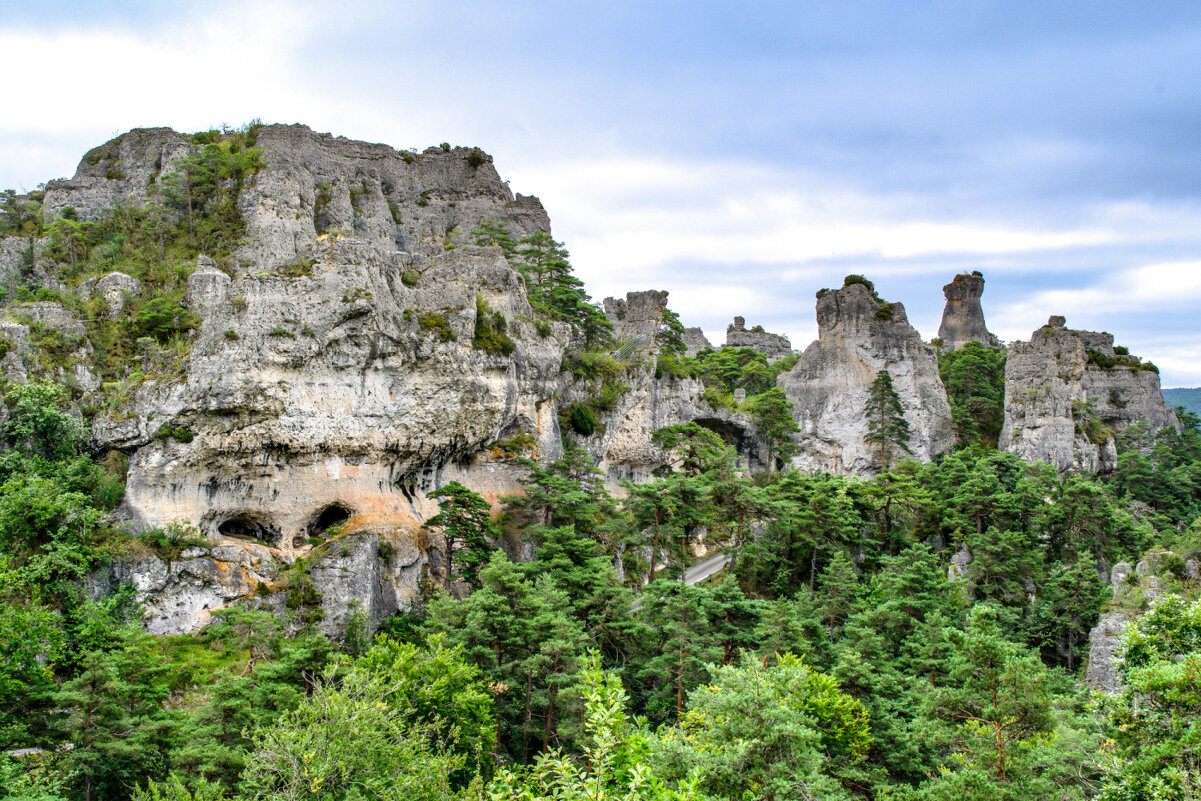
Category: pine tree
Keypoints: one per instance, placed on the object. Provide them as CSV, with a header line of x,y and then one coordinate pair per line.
x,y
887,428
464,519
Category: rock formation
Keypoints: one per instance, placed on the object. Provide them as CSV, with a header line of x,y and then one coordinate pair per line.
x,y
695,341
1068,394
859,335
773,346
622,444
963,316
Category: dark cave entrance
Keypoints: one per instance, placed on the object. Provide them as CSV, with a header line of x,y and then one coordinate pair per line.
x,y
249,526
331,517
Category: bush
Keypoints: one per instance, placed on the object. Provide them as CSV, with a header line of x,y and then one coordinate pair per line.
x,y
160,318
435,322
581,419
409,278
180,434
476,158
855,278
491,330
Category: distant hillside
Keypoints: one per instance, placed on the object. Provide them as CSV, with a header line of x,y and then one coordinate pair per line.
x,y
1188,397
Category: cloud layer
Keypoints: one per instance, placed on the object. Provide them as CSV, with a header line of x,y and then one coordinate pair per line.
x,y
741,158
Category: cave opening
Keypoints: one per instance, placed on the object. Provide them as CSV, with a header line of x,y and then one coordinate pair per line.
x,y
330,517
247,527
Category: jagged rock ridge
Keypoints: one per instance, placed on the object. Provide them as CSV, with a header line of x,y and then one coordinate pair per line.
x,y
773,346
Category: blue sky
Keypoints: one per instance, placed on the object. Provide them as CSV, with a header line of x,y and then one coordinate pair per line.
x,y
741,156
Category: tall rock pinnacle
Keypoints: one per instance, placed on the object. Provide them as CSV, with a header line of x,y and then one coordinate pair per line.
x,y
963,317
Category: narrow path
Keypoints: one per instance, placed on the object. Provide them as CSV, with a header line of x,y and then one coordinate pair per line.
x,y
703,570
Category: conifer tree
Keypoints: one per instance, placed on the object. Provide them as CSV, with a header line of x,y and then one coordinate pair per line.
x,y
464,519
887,428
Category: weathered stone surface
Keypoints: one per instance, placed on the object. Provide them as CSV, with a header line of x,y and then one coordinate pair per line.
x,y
963,316
179,596
1063,408
119,172
773,346
638,316
695,341
959,563
858,335
1120,572
1104,641
115,288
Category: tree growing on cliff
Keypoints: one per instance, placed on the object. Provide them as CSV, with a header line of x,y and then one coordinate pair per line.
x,y
465,523
887,428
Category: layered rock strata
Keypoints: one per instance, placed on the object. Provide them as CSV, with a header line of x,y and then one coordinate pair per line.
x,y
1069,394
858,336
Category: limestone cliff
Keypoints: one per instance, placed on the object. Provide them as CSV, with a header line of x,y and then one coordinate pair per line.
x,y
1069,394
859,335
963,316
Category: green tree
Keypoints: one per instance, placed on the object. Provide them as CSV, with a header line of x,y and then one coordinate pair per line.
x,y
974,377
492,233
772,413
350,739
1156,717
887,428
37,424
613,762
466,523
778,731
997,695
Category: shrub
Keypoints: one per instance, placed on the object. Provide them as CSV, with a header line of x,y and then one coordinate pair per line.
x,y
582,419
435,322
162,317
180,434
476,158
1100,359
491,330
232,335
855,278
409,278
281,332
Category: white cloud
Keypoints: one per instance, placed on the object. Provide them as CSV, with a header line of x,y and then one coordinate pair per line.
x,y
1163,287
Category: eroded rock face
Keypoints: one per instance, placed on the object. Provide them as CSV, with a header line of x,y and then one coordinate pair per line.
x,y
773,346
622,445
695,341
1067,394
859,335
963,316
1105,640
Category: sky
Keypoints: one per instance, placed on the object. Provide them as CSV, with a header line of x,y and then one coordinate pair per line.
x,y
739,155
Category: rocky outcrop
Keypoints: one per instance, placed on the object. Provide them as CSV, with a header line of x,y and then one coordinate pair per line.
x,y
1068,394
637,317
773,346
859,335
1105,641
116,289
622,443
695,341
963,316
